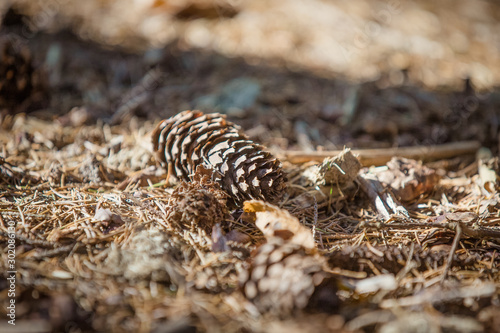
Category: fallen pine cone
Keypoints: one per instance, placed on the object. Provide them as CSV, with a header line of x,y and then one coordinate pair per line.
x,y
21,84
283,278
242,168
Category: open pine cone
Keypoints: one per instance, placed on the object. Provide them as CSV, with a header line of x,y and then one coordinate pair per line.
x,y
242,168
283,278
21,87
198,204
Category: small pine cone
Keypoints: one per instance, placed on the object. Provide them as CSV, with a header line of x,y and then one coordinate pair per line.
x,y
20,82
198,204
240,166
282,278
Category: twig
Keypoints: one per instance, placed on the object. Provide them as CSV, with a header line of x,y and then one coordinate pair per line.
x,y
57,251
369,157
479,232
26,240
382,199
476,232
456,240
315,224
439,295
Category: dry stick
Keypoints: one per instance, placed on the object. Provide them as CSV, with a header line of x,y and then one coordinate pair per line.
x,y
382,199
476,232
369,157
479,232
456,240
29,241
57,251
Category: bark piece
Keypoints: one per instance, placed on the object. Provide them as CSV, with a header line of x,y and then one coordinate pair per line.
x,y
340,170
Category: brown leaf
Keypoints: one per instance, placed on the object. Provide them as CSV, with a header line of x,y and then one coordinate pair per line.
x,y
408,178
276,222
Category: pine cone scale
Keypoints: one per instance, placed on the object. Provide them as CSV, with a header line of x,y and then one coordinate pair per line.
x,y
181,143
199,143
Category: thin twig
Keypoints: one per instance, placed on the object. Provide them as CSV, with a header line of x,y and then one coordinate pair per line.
x,y
29,241
456,240
57,251
476,232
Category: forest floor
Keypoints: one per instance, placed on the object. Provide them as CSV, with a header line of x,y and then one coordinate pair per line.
x,y
411,244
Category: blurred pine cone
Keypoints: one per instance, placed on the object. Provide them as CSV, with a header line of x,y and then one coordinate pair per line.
x,y
198,204
21,87
240,166
283,278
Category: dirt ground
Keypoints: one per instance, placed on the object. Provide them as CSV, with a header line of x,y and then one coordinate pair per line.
x,y
108,240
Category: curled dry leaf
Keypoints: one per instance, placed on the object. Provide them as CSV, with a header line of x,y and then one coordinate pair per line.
x,y
488,170
106,215
276,222
408,178
107,220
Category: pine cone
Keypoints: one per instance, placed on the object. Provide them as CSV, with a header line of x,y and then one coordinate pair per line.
x,y
283,277
20,82
240,166
198,204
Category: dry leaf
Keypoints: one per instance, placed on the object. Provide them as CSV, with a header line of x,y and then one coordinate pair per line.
x,y
276,222
408,178
487,177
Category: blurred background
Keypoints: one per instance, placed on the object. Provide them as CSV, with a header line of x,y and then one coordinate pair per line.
x,y
296,74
